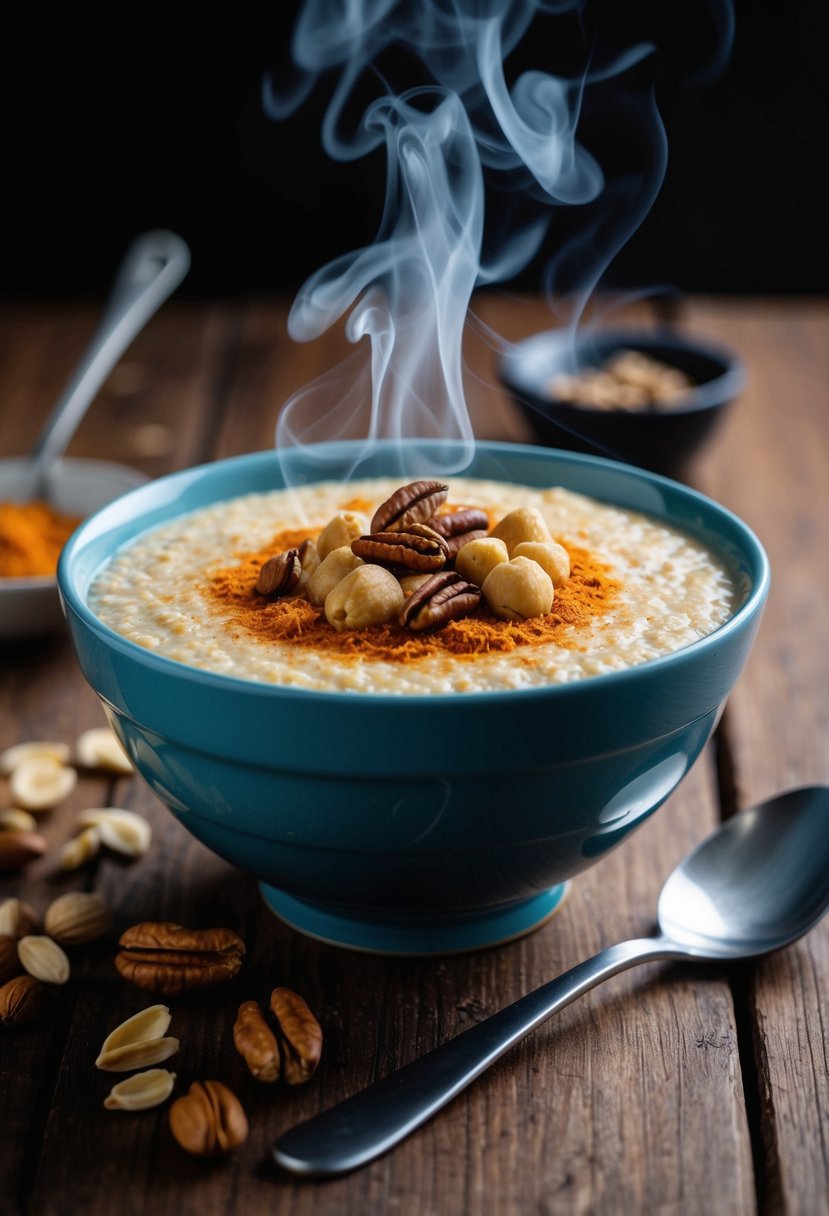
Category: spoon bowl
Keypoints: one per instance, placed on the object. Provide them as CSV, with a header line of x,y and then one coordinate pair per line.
x,y
756,884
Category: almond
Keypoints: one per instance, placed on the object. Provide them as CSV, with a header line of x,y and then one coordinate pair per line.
x,y
76,918
43,959
16,918
21,1000
19,848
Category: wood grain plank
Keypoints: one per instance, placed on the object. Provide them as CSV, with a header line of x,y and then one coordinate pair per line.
x,y
769,464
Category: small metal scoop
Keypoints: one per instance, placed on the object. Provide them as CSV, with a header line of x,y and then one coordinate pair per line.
x,y
152,269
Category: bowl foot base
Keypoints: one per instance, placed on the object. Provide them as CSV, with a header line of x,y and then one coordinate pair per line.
x,y
454,935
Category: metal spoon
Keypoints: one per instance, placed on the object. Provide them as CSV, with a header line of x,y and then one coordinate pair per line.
x,y
756,884
151,269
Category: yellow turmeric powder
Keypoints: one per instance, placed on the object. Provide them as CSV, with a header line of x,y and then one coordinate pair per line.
x,y
32,535
590,591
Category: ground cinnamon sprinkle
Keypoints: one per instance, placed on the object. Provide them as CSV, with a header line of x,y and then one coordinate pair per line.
x,y
589,591
32,535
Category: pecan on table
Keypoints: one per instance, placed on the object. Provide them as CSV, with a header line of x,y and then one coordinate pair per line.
x,y
299,1034
171,959
418,548
280,574
256,1042
445,597
411,504
208,1120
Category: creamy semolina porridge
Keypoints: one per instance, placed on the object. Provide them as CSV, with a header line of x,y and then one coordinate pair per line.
x,y
637,589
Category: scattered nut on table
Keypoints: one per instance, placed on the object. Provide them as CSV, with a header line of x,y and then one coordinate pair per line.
x,y
77,917
122,831
22,1000
139,1041
44,959
171,959
299,1035
10,964
101,748
141,1092
17,918
41,783
209,1120
17,849
256,1042
291,1050
12,819
80,849
14,756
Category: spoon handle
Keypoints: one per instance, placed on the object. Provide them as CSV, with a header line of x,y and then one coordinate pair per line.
x,y
152,268
362,1127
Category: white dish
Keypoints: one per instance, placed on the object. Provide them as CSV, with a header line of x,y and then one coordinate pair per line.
x,y
31,606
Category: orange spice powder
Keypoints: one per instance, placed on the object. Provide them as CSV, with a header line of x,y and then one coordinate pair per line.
x,y
32,535
589,591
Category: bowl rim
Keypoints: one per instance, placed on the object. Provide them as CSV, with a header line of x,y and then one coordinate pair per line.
x,y
174,668
710,395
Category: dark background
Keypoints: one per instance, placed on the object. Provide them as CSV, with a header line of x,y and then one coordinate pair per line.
x,y
113,130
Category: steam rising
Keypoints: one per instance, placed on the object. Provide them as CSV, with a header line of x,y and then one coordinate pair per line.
x,y
409,291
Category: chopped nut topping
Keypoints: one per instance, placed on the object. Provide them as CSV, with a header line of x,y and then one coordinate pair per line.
x,y
445,597
411,504
280,574
418,548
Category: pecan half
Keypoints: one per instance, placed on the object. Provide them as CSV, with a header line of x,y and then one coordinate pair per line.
x,y
171,959
445,597
411,504
209,1120
255,1042
280,574
418,548
455,543
299,1034
455,523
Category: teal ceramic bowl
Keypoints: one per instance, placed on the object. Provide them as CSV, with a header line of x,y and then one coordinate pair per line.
x,y
412,824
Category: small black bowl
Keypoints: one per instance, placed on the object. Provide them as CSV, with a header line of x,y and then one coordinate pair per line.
x,y
661,439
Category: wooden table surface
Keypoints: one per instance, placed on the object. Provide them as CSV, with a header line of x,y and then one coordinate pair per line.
x,y
670,1089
